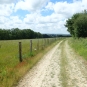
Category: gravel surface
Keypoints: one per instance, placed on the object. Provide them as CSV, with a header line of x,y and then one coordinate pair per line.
x,y
60,67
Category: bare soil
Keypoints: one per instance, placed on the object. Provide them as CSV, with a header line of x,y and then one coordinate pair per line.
x,y
60,67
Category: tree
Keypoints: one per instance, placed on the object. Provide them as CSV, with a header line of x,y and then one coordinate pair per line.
x,y
80,26
70,22
77,25
16,33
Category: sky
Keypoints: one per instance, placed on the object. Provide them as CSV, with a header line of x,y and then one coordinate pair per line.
x,y
44,16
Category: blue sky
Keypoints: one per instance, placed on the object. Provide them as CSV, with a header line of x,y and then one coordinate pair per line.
x,y
45,16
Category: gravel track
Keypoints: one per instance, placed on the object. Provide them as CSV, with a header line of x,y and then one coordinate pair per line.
x,y
60,67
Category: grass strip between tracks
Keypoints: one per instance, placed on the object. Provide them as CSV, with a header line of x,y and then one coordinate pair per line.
x,y
63,64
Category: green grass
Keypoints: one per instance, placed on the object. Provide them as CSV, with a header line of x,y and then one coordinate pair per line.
x,y
80,46
63,74
11,70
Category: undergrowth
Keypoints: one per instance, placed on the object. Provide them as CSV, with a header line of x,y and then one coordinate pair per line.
x,y
80,46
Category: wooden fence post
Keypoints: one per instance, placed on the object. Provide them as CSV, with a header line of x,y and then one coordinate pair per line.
x,y
44,42
48,40
30,46
38,45
0,46
20,52
55,39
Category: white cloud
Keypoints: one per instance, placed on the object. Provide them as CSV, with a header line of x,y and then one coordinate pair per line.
x,y
3,19
63,8
6,1
30,5
15,20
50,6
6,9
49,24
31,18
11,22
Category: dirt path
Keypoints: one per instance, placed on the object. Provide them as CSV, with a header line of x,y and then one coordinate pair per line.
x,y
60,67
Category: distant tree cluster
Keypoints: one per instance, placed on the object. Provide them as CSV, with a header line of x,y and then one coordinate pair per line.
x,y
15,33
46,36
77,25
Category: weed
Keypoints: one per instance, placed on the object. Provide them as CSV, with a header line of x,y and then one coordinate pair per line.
x,y
80,46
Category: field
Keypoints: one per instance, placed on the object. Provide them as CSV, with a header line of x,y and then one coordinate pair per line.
x,y
11,69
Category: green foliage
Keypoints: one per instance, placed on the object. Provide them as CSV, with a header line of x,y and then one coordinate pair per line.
x,y
70,23
80,46
80,26
77,25
16,33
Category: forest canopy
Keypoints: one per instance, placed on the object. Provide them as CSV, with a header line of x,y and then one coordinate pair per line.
x,y
16,33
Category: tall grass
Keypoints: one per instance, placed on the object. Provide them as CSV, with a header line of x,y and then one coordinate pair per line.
x,y
11,69
80,46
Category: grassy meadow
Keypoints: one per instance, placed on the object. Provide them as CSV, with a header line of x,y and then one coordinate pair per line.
x,y
80,46
11,70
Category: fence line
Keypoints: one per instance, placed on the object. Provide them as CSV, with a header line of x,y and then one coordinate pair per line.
x,y
20,52
45,42
30,46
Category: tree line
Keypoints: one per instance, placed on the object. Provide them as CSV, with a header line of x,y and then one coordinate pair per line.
x,y
77,25
16,33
